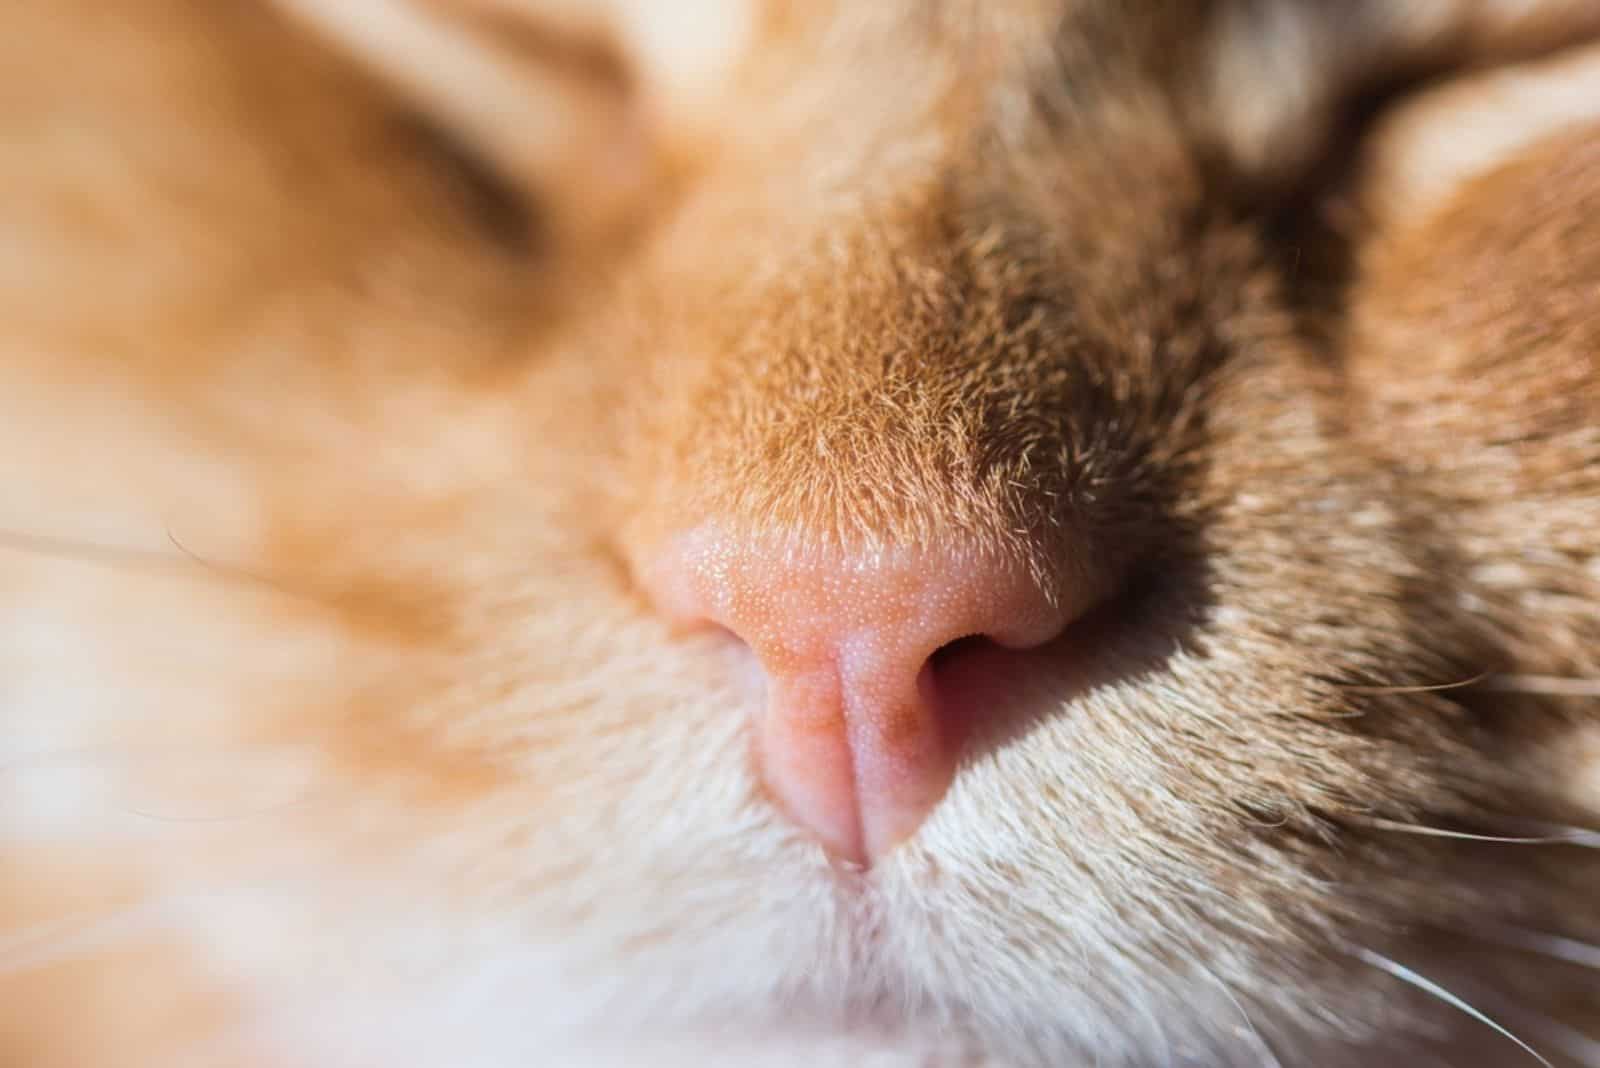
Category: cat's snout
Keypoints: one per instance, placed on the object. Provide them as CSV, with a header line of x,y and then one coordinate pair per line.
x,y
861,733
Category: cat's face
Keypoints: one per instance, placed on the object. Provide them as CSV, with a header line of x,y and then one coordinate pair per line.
x,y
910,585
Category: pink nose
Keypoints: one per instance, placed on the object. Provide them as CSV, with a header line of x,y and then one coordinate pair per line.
x,y
861,731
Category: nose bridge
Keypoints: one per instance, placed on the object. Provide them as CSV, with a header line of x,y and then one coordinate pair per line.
x,y
849,400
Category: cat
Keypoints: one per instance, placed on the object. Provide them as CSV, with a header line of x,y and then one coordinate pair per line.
x,y
1005,534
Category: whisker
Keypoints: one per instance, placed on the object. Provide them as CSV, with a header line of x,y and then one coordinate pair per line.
x,y
1433,989
1575,1045
1575,836
1547,685
187,564
87,551
1263,1049
230,571
1555,947
1433,688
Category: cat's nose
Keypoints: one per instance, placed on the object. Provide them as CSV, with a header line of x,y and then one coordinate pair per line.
x,y
867,706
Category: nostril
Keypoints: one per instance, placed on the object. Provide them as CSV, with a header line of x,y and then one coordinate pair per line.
x,y
878,666
953,650
970,681
941,683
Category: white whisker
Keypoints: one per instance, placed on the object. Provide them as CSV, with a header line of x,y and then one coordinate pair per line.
x,y
1546,685
184,563
1556,836
1556,947
1263,1050
1574,1044
1433,989
1553,1033
1436,687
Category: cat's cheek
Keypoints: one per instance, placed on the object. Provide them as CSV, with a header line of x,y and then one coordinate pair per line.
x,y
1586,786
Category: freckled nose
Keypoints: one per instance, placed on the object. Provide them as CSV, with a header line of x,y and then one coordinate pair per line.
x,y
861,734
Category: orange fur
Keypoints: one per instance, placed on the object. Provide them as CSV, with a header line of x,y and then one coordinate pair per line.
x,y
337,731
